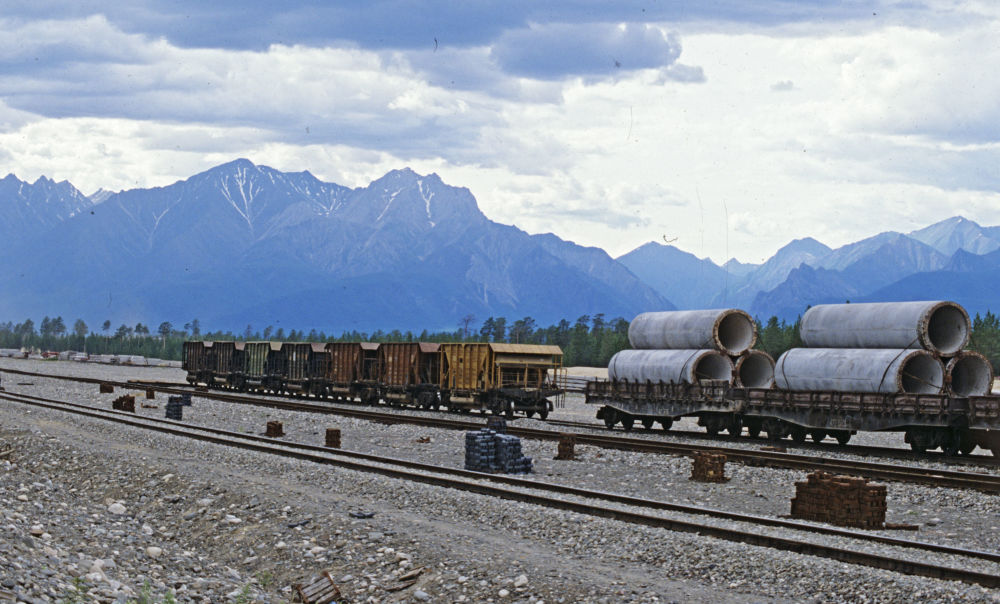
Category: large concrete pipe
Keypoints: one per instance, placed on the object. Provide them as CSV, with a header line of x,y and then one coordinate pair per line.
x,y
754,369
677,366
969,374
860,370
730,330
941,327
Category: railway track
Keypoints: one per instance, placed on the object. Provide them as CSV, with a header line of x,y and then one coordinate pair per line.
x,y
987,483
554,496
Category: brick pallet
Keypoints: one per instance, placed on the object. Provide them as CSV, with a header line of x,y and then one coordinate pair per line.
x,y
709,467
487,451
841,500
175,408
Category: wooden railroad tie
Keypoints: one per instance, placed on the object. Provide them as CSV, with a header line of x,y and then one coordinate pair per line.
x,y
322,590
106,388
274,430
150,394
333,438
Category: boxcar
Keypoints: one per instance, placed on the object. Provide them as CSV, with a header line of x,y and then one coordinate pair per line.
x,y
408,373
501,378
227,363
198,362
260,363
318,383
294,366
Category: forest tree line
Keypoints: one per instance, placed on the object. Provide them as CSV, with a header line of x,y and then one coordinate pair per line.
x,y
588,341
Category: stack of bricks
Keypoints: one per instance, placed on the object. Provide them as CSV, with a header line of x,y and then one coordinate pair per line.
x,y
175,408
274,430
497,424
567,443
840,500
487,451
124,403
709,467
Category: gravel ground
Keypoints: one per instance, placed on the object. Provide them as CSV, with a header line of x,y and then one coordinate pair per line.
x,y
207,523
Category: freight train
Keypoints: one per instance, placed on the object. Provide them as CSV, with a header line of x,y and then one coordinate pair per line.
x,y
505,379
893,367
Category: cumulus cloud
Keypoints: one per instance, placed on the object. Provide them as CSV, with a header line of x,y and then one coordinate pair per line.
x,y
561,50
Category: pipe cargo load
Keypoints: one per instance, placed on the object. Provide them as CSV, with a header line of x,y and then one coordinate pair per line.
x,y
941,327
730,330
670,366
754,369
969,374
882,370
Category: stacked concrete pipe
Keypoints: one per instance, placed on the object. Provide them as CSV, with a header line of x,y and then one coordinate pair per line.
x,y
887,347
686,346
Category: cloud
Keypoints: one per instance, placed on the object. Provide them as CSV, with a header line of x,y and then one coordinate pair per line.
x,y
783,86
555,51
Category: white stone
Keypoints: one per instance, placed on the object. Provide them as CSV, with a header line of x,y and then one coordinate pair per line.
x,y
116,508
232,519
503,593
280,545
521,581
421,595
153,552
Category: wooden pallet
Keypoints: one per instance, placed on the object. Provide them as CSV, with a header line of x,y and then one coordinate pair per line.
x,y
321,591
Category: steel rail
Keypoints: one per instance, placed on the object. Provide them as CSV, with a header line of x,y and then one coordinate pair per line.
x,y
311,453
987,483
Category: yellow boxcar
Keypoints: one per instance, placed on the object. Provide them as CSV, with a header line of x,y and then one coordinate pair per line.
x,y
503,378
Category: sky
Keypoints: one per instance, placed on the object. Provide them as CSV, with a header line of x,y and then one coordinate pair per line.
x,y
723,127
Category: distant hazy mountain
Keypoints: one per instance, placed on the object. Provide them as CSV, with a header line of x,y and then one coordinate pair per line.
x,y
944,260
958,233
32,209
242,243
681,277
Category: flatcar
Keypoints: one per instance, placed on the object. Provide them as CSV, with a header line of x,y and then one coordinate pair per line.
x,y
955,424
501,378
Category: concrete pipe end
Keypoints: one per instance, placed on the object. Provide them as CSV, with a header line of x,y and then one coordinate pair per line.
x,y
735,332
920,373
947,328
713,365
969,374
755,370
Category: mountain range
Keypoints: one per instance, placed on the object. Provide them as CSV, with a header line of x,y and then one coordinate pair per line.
x,y
246,244
955,259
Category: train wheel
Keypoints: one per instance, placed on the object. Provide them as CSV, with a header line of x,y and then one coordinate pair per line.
x,y
735,427
967,444
753,430
817,435
842,437
950,444
647,423
543,415
529,414
610,418
798,435
666,423
627,422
